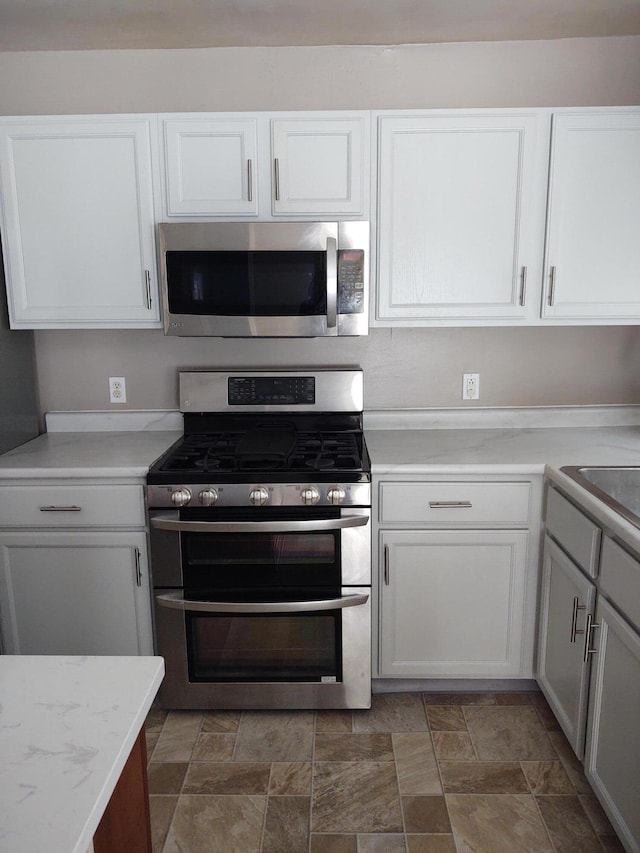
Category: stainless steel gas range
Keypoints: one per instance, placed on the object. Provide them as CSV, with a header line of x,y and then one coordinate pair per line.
x,y
260,543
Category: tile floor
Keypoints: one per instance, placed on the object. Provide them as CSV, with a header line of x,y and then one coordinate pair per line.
x,y
418,773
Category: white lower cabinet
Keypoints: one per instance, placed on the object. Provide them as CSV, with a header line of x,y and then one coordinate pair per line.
x,y
612,761
567,598
74,593
456,581
452,603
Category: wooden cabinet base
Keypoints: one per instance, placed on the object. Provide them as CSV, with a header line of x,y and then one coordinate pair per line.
x,y
125,824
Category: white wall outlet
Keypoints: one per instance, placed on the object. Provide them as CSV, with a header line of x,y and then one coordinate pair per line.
x,y
470,386
117,389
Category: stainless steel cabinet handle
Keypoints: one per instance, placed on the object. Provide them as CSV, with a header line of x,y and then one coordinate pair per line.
x,y
332,282
574,618
175,601
386,565
523,285
587,637
552,285
259,526
276,177
249,181
147,283
70,508
136,555
450,504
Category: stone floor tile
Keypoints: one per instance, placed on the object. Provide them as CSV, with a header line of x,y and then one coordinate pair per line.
x,y
425,814
459,698
286,828
161,810
274,736
353,747
594,811
212,746
430,843
178,736
508,733
572,766
151,739
221,721
355,796
155,720
453,745
334,721
166,778
392,712
446,718
381,843
330,843
483,777
207,777
497,823
611,843
568,825
416,763
290,778
547,777
210,824
514,698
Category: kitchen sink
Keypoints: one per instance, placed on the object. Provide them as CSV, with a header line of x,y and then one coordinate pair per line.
x,y
618,488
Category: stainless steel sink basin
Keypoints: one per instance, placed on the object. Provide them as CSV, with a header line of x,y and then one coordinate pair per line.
x,y
618,488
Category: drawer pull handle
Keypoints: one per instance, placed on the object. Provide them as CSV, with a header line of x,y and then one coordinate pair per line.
x,y
450,504
52,508
587,637
574,618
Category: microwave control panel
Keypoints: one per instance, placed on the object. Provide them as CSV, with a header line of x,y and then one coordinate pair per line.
x,y
351,281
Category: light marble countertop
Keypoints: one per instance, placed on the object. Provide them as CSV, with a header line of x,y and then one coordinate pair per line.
x,y
67,726
122,455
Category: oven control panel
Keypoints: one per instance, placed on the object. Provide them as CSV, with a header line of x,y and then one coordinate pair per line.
x,y
258,494
271,390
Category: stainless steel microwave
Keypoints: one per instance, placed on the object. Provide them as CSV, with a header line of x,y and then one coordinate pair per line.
x,y
265,279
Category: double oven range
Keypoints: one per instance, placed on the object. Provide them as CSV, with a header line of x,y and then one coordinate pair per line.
x,y
260,543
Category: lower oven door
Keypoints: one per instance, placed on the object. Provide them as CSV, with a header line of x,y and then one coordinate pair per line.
x,y
292,654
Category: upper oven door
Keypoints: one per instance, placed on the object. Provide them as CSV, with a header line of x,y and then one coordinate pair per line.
x,y
264,279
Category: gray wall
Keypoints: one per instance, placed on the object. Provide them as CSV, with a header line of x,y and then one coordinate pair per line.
x,y
404,367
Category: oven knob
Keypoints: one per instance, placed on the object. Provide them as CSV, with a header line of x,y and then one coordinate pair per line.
x,y
208,497
259,496
180,497
336,495
310,495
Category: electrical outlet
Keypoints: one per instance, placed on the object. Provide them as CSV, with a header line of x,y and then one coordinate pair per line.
x,y
117,389
470,386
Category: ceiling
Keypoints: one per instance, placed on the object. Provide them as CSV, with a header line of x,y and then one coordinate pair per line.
x,y
132,24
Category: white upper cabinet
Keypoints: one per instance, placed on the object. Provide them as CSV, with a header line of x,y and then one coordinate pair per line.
x,y
460,216
266,165
211,166
592,263
319,165
78,221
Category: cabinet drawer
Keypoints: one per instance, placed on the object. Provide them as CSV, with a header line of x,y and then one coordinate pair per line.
x,y
576,533
463,503
620,579
71,506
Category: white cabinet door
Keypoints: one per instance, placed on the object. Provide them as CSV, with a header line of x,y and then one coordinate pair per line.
x,y
211,166
593,247
612,761
567,599
460,207
71,593
319,165
452,603
78,222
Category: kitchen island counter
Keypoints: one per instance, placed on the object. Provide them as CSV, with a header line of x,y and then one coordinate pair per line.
x,y
67,728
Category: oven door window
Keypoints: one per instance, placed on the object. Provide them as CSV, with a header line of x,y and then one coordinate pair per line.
x,y
265,647
247,284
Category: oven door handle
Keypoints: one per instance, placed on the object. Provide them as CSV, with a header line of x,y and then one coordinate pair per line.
x,y
259,526
175,600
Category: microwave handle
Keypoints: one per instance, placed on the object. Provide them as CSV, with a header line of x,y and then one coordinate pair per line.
x,y
177,602
332,282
